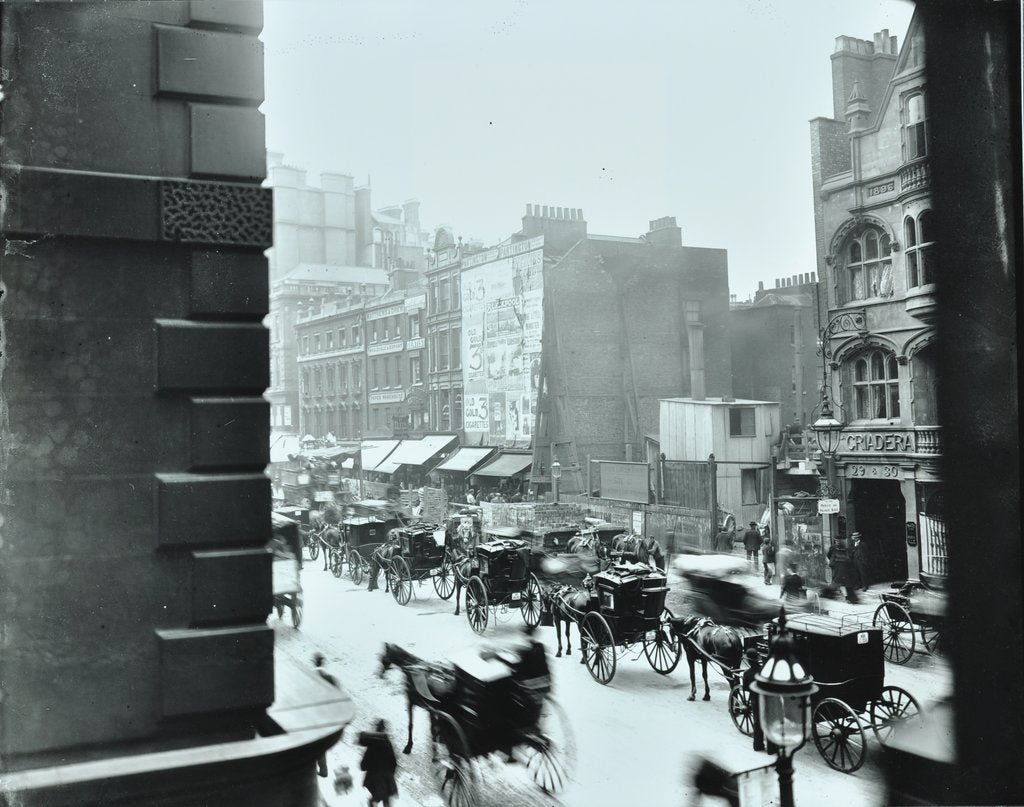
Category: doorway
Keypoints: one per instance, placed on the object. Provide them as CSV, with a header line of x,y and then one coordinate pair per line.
x,y
879,515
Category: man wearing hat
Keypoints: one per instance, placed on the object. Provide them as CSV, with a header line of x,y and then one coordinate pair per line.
x,y
752,543
861,564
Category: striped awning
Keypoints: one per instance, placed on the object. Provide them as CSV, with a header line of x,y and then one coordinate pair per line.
x,y
505,465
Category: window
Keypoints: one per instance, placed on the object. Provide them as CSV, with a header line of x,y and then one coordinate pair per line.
x,y
305,382
318,380
456,348
456,293
925,383
341,337
305,344
374,376
357,375
398,371
355,335
343,377
918,236
876,388
330,339
330,380
457,411
415,370
414,326
387,373
433,297
749,487
442,345
387,327
915,142
398,327
316,343
692,310
443,295
446,410
868,266
741,421
373,331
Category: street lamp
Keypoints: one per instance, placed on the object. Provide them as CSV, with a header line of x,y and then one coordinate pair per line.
x,y
784,690
556,474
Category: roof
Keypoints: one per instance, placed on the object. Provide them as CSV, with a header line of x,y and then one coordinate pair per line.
x,y
506,464
323,273
465,459
416,452
772,298
373,453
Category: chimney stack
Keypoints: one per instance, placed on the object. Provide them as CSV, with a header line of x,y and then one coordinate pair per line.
x,y
665,232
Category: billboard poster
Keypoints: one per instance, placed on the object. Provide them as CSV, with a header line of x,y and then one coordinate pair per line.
x,y
503,316
626,481
476,413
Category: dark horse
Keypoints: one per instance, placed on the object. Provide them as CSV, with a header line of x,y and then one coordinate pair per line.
x,y
426,684
705,641
565,602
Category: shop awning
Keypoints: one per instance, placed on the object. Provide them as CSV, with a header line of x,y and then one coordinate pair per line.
x,y
417,452
465,459
282,445
506,465
373,453
332,453
387,467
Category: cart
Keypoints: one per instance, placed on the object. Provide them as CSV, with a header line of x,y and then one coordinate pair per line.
x,y
500,580
917,608
361,536
422,554
627,608
499,706
286,548
844,655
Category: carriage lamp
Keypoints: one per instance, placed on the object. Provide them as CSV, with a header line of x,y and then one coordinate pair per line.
x,y
556,474
827,428
784,690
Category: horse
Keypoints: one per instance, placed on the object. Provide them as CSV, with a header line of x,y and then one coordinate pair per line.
x,y
426,684
462,567
703,640
564,602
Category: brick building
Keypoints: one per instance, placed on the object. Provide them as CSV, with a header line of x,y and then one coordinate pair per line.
x,y
875,241
444,334
625,323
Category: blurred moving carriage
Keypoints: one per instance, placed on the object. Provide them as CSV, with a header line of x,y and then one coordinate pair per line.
x,y
916,607
498,577
844,654
286,547
423,553
627,607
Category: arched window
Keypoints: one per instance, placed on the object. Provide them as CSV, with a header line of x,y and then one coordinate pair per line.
x,y
914,141
918,236
868,266
876,388
925,387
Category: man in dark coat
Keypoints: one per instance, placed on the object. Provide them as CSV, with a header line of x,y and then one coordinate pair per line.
x,y
649,550
861,564
839,559
752,543
380,764
724,541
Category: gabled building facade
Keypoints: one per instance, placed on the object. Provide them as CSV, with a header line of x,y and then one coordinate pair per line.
x,y
875,243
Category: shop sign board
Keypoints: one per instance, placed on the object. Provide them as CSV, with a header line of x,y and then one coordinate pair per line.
x,y
827,507
638,522
872,471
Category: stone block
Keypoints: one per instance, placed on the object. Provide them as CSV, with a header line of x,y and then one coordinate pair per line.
x,y
203,671
214,125
230,586
235,357
226,283
207,64
213,509
229,432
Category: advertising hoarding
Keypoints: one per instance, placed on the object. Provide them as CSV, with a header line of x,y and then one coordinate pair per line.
x,y
503,315
626,481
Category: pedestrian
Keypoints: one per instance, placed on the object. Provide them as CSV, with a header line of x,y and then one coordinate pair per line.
x,y
471,496
861,563
768,559
318,663
380,557
748,678
724,540
752,543
380,765
839,559
793,590
650,551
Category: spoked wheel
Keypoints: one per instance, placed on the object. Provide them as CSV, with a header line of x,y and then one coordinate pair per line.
x,y
663,649
355,567
476,604
296,612
453,766
401,580
532,605
741,711
839,735
444,580
897,631
892,706
551,751
314,548
598,647
337,562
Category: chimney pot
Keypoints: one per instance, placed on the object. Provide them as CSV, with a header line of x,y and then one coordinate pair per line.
x,y
529,210
545,213
814,277
559,213
760,285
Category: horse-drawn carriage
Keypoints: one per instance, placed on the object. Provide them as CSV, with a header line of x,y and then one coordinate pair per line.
x,y
499,577
626,606
844,655
482,704
422,553
286,547
915,607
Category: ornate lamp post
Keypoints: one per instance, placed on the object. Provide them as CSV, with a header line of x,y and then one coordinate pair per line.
x,y
556,474
784,690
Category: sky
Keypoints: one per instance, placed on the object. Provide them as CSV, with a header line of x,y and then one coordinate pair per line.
x,y
629,110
